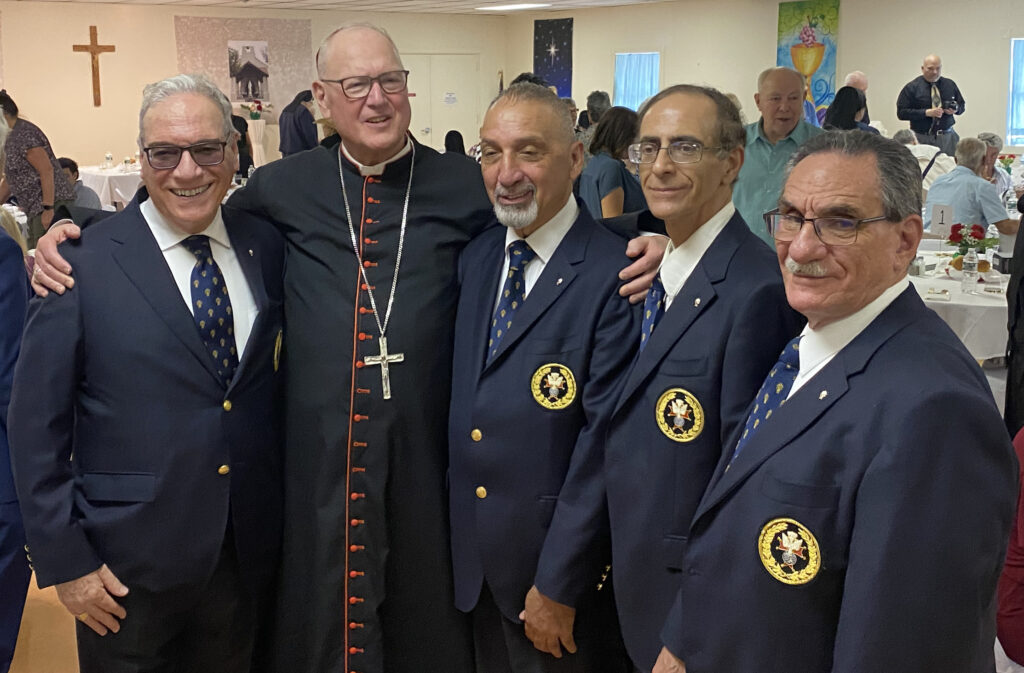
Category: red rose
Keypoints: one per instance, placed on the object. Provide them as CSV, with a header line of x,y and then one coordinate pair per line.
x,y
956,237
977,231
956,227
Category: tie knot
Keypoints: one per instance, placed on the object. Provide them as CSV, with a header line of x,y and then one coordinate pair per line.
x,y
198,245
520,254
791,354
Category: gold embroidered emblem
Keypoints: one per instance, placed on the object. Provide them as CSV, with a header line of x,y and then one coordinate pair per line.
x,y
553,386
277,349
679,415
789,551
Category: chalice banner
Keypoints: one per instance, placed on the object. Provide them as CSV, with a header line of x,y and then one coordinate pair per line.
x,y
807,43
552,53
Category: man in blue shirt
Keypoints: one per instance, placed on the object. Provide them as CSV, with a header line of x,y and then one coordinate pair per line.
x,y
974,200
770,142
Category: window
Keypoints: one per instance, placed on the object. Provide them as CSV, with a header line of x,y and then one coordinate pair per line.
x,y
636,78
1015,105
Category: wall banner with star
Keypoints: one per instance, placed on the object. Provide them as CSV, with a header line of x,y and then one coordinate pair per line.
x,y
552,53
807,43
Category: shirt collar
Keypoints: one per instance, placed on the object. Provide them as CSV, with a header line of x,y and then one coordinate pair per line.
x,y
963,170
680,261
377,169
167,235
798,135
546,239
817,345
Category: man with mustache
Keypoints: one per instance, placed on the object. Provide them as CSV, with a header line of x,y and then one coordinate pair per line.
x,y
541,340
859,519
714,320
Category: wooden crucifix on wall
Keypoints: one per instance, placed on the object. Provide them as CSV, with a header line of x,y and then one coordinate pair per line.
x,y
94,50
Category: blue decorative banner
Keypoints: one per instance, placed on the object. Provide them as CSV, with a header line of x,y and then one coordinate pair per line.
x,y
552,53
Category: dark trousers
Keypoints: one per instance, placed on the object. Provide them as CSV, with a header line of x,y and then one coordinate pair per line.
x,y
501,645
213,633
14,579
946,141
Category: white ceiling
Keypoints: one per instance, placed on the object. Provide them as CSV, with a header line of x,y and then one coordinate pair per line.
x,y
416,6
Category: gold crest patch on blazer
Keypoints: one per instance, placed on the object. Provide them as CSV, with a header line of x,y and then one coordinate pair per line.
x,y
789,551
679,415
277,349
553,386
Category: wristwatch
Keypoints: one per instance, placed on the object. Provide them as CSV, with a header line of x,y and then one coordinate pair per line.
x,y
46,207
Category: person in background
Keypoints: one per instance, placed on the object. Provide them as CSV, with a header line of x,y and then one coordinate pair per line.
x,y
598,102
85,197
606,186
929,102
244,145
973,199
14,565
934,162
574,112
297,124
990,170
847,111
859,81
31,172
453,142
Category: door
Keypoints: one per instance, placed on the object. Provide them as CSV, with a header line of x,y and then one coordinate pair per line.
x,y
444,95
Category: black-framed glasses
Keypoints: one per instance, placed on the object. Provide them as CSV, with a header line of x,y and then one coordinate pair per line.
x,y
205,153
359,86
830,230
681,152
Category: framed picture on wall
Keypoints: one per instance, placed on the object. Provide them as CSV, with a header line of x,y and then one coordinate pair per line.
x,y
248,65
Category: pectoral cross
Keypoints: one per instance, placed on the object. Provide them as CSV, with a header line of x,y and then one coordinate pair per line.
x,y
94,49
384,359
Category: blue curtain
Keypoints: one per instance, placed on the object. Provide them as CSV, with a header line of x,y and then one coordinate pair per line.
x,y
1015,106
636,78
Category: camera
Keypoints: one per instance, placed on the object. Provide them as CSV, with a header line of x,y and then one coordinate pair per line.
x,y
950,105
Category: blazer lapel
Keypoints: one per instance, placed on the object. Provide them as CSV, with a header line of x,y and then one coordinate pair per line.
x,y
143,262
484,276
248,253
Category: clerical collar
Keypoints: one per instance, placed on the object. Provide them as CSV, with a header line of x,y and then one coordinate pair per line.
x,y
376,169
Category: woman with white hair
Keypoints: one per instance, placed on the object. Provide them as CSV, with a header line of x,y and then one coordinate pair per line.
x,y
989,170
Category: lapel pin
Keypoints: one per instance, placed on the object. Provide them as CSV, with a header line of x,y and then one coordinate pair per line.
x,y
823,394
558,282
250,252
696,302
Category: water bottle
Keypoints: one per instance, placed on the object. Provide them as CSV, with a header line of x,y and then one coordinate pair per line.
x,y
969,284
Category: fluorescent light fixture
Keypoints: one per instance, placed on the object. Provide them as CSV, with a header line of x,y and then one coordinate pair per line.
x,y
512,8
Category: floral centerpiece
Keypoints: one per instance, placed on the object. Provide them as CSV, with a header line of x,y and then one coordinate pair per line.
x,y
1006,160
966,237
256,108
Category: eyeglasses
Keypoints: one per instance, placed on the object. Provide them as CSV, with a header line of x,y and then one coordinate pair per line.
x,y
359,86
681,152
830,230
205,153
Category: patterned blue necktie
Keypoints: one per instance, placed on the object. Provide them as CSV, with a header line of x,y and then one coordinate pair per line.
x,y
211,306
513,294
654,308
773,392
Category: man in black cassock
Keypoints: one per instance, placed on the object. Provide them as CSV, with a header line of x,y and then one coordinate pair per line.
x,y
366,580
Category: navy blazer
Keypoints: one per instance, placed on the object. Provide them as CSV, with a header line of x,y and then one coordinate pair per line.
x,y
14,293
120,425
723,331
893,458
506,433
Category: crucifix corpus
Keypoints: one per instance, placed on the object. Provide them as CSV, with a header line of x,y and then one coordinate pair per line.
x,y
384,359
94,49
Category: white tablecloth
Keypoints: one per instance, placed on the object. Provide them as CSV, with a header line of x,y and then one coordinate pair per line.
x,y
978,319
107,182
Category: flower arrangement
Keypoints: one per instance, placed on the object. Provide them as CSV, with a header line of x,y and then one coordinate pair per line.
x,y
1007,160
256,108
966,238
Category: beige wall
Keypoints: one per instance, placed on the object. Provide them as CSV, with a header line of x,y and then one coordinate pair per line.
x,y
725,43
52,85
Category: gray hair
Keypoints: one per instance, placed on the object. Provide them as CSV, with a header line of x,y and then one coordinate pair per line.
x,y
970,152
899,174
905,137
765,74
535,93
854,78
731,133
598,102
182,84
991,139
352,25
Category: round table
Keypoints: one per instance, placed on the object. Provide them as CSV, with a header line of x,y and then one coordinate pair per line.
x,y
111,184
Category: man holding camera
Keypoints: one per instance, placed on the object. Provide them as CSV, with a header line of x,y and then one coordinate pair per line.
x,y
929,102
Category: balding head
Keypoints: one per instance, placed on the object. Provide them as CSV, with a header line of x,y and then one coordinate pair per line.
x,y
857,80
931,69
779,97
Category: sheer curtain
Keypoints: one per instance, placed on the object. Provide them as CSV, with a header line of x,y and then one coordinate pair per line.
x,y
636,78
1015,106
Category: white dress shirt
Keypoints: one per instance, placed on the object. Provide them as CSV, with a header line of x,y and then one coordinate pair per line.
x,y
679,262
180,261
818,347
544,241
